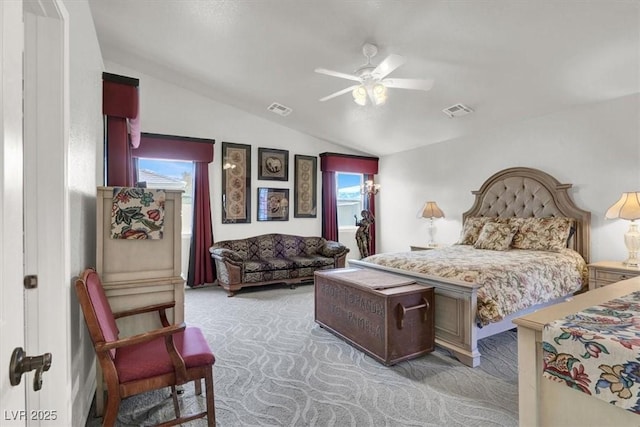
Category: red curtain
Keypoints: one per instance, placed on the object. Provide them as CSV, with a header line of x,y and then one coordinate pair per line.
x,y
330,163
201,266
119,104
329,206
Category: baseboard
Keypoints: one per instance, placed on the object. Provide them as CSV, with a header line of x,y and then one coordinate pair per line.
x,y
83,398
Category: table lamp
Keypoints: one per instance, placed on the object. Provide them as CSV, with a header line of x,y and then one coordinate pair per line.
x,y
628,207
431,211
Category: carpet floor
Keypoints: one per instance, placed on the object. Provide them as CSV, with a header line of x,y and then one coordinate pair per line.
x,y
276,367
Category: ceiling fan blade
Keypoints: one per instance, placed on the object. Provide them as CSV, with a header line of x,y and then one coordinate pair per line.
x,y
338,93
416,84
337,74
387,66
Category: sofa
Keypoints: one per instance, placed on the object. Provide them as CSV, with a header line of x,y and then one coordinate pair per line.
x,y
274,258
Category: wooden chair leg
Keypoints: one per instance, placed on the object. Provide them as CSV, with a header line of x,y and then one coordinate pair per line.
x,y
110,413
174,397
211,410
198,384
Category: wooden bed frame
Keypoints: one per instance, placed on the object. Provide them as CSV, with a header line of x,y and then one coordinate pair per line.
x,y
514,192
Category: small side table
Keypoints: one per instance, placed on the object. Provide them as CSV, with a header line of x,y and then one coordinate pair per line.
x,y
424,248
604,273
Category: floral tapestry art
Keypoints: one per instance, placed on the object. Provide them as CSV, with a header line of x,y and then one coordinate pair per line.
x,y
137,213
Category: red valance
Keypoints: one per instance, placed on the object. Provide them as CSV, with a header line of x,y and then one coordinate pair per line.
x,y
334,162
120,108
154,146
119,96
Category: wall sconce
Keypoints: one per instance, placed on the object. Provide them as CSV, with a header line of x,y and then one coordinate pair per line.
x,y
430,210
369,188
628,207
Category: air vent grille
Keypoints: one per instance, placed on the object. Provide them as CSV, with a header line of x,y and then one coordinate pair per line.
x,y
279,109
457,110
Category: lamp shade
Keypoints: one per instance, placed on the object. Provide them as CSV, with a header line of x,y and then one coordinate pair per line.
x,y
628,207
431,210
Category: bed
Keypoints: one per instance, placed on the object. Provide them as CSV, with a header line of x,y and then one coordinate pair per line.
x,y
463,313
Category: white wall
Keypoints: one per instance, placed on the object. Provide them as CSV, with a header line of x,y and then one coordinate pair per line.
x,y
169,109
85,168
594,147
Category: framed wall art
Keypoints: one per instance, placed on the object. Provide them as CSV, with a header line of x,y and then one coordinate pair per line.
x,y
305,187
273,204
236,183
273,164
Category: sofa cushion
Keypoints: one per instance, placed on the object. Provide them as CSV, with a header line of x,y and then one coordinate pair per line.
x,y
311,261
264,276
289,246
312,245
238,246
268,264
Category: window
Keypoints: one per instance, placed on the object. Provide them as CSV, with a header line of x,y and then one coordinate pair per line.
x,y
172,175
349,198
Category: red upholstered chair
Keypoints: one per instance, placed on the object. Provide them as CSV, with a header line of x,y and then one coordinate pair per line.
x,y
166,357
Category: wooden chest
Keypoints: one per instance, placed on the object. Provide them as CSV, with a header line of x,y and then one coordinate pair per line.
x,y
389,317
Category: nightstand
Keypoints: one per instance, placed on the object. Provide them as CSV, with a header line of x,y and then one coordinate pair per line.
x,y
424,248
604,273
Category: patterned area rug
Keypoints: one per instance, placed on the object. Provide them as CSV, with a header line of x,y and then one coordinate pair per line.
x,y
276,367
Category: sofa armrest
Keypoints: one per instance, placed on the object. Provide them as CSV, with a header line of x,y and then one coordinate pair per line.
x,y
226,255
229,266
333,249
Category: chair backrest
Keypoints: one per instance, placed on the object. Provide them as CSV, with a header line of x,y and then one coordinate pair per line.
x,y
96,309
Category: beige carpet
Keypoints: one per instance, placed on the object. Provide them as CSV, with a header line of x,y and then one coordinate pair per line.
x,y
276,367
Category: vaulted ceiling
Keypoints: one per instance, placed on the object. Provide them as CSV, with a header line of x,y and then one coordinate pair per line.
x,y
507,60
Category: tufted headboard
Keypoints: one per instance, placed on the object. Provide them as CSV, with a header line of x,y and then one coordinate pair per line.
x,y
525,193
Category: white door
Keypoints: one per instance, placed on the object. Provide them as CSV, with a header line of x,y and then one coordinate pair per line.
x,y
12,398
34,204
46,206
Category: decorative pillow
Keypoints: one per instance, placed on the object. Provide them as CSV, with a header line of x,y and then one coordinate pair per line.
x,y
543,234
496,236
471,229
515,221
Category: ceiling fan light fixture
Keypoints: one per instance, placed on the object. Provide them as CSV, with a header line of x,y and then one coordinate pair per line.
x,y
360,95
379,93
371,80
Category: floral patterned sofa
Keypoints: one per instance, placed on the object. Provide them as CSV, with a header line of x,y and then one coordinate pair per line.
x,y
273,258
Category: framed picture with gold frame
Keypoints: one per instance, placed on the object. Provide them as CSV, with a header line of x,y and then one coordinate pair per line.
x,y
273,164
236,183
305,204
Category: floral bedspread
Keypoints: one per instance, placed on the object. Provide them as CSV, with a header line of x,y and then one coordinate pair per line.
x,y
511,280
597,351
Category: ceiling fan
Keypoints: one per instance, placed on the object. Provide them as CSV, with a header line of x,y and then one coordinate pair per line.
x,y
372,80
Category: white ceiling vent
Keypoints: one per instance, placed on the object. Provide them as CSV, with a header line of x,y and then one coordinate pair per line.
x,y
457,110
279,109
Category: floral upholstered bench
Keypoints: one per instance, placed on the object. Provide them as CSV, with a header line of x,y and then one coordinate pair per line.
x,y
274,258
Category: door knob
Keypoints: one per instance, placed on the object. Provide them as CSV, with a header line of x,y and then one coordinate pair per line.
x,y
20,363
